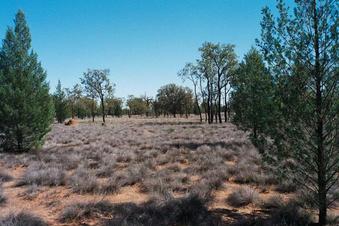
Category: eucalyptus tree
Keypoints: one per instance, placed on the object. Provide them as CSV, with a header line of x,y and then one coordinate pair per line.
x,y
174,99
26,107
73,96
97,82
217,64
191,72
301,49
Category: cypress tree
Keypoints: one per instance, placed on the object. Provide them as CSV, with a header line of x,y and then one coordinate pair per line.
x,y
26,108
60,103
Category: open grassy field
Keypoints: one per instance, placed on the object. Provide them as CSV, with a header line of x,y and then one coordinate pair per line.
x,y
141,171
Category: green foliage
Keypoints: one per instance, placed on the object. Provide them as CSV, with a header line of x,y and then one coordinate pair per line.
x,y
136,105
60,103
114,106
174,99
97,85
301,50
253,97
26,108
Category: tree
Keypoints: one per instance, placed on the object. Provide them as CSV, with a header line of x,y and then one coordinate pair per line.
x,y
26,108
97,82
114,106
223,61
190,72
136,105
301,50
175,99
253,97
73,96
60,103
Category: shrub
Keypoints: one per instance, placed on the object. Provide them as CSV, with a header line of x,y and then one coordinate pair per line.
x,y
31,192
26,105
3,198
290,215
4,176
83,181
22,219
242,197
80,211
272,202
286,187
189,211
40,174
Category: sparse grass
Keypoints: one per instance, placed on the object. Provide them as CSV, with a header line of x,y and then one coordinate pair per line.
x,y
83,181
80,211
190,210
242,197
161,158
286,187
3,198
41,174
22,219
272,202
4,176
31,192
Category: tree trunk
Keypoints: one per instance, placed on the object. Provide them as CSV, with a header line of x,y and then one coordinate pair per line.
x,y
103,109
209,102
319,130
72,109
197,102
226,105
219,101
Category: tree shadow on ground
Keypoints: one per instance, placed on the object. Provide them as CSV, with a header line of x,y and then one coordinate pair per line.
x,y
194,145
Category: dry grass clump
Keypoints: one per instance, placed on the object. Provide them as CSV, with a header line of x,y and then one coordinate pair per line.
x,y
189,210
83,181
42,174
242,197
4,176
31,192
272,202
22,219
286,187
162,158
80,211
3,198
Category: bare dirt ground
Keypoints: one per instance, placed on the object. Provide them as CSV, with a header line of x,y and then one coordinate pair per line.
x,y
138,161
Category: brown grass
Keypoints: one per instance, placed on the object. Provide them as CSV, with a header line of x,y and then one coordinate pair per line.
x,y
137,161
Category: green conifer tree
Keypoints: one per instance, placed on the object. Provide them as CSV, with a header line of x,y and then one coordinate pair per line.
x,y
26,108
60,103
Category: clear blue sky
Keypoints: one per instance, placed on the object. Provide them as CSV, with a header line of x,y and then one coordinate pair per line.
x,y
143,42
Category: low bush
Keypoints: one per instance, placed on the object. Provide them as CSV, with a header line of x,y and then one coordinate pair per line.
x,y
5,177
242,197
31,192
79,211
3,198
272,202
286,187
83,181
41,174
22,219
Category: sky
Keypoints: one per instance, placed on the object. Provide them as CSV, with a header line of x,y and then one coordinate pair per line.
x,y
144,43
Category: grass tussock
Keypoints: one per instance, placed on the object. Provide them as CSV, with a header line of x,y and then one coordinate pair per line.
x,y
190,210
22,219
242,197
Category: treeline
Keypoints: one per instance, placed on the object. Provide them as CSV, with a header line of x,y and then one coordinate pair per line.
x,y
83,101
